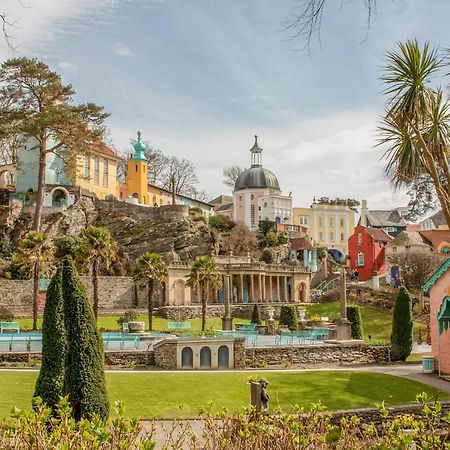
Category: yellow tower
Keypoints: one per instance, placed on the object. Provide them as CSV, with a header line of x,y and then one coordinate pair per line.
x,y
137,173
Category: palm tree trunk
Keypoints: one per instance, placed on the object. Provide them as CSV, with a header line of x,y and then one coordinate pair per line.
x,y
204,304
150,304
95,284
35,294
41,190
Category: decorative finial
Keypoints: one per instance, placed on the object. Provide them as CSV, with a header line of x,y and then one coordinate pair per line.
x,y
139,135
256,139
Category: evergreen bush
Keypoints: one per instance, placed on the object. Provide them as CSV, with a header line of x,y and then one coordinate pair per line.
x,y
256,318
402,327
354,316
6,315
85,377
267,256
128,316
50,382
288,316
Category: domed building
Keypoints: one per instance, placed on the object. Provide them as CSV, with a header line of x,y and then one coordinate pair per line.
x,y
257,195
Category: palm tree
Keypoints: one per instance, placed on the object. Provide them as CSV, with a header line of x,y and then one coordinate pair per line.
x,y
416,124
204,276
35,250
150,268
98,247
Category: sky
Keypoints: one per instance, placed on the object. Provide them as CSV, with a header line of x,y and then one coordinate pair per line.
x,y
200,77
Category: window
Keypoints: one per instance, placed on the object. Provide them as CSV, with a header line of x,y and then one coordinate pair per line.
x,y
407,248
303,220
252,215
87,167
259,208
390,229
265,204
105,172
394,249
96,170
320,221
360,260
252,197
320,236
331,236
341,222
331,222
359,238
342,237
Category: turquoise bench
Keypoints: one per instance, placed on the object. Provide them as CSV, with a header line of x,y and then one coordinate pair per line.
x,y
122,339
246,327
306,336
179,326
10,326
21,338
288,337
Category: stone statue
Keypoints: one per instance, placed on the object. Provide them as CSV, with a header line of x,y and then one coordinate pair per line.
x,y
264,395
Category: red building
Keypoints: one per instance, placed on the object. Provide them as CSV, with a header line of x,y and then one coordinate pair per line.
x,y
366,251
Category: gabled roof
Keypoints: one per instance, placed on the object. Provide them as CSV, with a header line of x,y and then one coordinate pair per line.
x,y
436,275
379,235
411,238
301,244
225,207
103,149
380,218
435,237
221,199
437,218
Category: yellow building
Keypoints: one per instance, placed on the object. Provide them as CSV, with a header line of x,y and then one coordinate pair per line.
x,y
329,225
97,172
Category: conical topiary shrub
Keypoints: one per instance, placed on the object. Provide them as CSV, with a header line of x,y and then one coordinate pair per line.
x,y
256,318
402,327
354,316
50,382
288,316
85,377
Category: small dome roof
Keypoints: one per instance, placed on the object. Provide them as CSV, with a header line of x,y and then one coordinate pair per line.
x,y
139,149
256,177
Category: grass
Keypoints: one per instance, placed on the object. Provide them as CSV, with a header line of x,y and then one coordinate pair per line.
x,y
182,394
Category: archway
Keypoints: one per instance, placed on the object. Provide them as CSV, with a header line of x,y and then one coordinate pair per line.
x,y
224,357
187,358
179,291
60,197
302,288
205,357
277,220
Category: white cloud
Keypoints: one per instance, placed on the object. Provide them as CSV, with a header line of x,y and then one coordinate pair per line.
x,y
122,50
67,66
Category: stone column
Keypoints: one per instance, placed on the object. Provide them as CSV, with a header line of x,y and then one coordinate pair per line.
x,y
227,320
270,288
252,288
263,282
286,293
241,276
278,288
344,326
260,288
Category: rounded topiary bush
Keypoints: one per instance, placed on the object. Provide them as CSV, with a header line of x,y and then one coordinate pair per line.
x,y
288,317
267,256
354,316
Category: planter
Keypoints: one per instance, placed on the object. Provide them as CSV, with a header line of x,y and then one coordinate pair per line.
x,y
136,327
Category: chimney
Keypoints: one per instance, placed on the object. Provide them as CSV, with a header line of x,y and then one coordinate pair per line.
x,y
363,219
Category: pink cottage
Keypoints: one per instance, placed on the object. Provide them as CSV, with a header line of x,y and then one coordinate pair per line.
x,y
438,286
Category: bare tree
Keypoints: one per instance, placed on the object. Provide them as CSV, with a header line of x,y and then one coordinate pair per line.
x,y
179,176
307,23
231,173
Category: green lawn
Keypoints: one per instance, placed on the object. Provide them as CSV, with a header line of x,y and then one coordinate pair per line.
x,y
181,394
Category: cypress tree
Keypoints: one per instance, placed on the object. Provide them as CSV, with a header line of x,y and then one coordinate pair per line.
x,y
288,316
50,382
402,326
85,376
255,315
354,315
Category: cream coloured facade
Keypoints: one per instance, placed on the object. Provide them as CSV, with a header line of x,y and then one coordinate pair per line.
x,y
329,226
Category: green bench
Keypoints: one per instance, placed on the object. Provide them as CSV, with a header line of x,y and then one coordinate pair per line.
x,y
246,327
179,326
15,338
288,337
10,326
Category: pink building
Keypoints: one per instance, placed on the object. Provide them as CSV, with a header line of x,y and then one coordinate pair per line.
x,y
257,195
439,288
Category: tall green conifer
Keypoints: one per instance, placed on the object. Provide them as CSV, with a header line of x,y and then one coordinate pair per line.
x,y
50,382
85,377
402,326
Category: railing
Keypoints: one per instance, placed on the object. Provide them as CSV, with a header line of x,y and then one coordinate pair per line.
x,y
249,266
323,287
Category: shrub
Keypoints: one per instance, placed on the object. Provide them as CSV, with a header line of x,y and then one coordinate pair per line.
x,y
85,377
18,270
255,315
129,316
354,315
267,256
6,315
67,245
50,382
288,316
402,326
5,248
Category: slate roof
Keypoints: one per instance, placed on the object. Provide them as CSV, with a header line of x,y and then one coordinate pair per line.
x,y
225,207
437,219
301,244
380,218
222,199
379,235
412,238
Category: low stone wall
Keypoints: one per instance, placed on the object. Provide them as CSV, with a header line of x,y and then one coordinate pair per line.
x,y
166,355
317,354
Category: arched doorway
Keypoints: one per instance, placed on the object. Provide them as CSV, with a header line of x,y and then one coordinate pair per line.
x,y
277,220
179,290
224,357
60,197
302,288
187,358
205,358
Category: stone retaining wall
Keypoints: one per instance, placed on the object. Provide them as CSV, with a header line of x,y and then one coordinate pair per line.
x,y
317,354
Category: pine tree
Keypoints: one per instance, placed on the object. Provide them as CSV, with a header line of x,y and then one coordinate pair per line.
x,y
50,382
402,327
354,316
288,316
85,377
255,315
